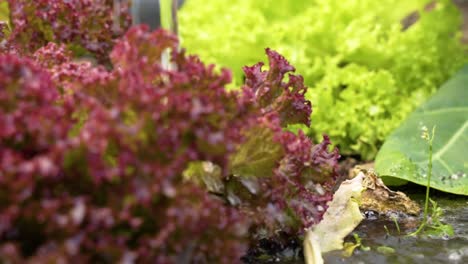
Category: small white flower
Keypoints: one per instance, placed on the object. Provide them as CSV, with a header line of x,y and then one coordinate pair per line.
x,y
425,133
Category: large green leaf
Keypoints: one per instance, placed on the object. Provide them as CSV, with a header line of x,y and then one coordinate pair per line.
x,y
404,155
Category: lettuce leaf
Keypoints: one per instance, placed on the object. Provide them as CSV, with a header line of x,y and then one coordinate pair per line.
x,y
366,63
404,155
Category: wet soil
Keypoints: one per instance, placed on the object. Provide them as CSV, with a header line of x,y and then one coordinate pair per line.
x,y
378,232
387,244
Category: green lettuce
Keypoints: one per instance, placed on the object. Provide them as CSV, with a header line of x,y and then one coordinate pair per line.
x,y
368,63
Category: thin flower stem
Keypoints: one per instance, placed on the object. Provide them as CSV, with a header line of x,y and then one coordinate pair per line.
x,y
430,139
429,175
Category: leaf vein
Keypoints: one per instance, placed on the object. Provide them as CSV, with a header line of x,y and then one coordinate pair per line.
x,y
452,140
443,111
445,165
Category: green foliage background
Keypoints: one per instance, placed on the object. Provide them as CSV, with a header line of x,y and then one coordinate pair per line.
x,y
366,72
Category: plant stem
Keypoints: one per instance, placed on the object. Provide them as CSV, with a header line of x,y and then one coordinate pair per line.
x,y
168,13
429,175
428,186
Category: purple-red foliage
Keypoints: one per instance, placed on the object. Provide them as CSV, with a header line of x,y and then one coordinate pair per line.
x,y
3,27
156,120
83,25
33,123
107,182
294,195
274,94
303,176
67,73
91,160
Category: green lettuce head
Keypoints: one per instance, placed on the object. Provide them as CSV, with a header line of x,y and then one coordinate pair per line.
x,y
368,63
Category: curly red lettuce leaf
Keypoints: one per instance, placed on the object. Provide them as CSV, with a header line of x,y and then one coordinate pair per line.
x,y
295,178
86,27
273,94
120,140
116,144
33,124
285,176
